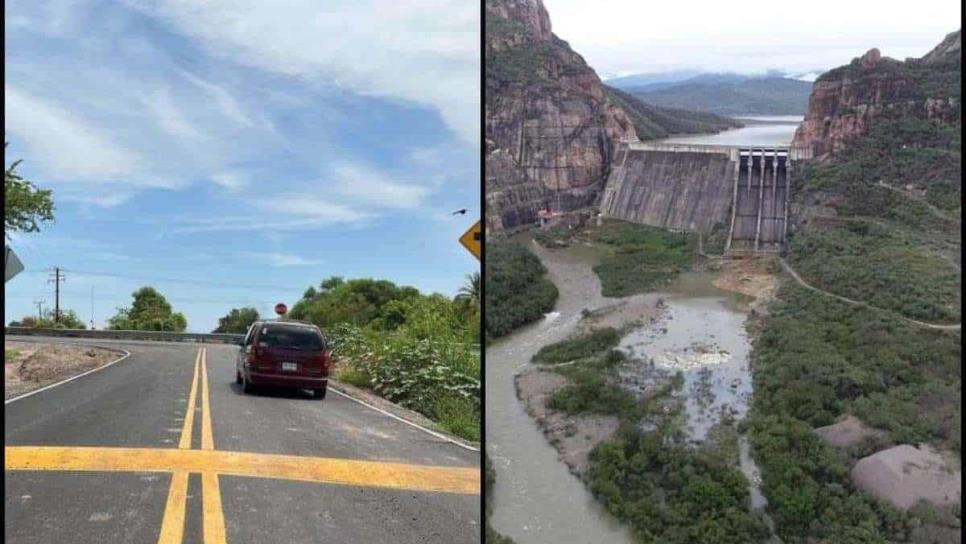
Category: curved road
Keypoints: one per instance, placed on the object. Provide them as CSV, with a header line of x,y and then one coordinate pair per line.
x,y
163,447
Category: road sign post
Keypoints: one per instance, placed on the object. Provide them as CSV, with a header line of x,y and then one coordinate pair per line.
x,y
472,240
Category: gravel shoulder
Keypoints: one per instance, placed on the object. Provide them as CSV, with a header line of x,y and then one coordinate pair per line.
x,y
28,366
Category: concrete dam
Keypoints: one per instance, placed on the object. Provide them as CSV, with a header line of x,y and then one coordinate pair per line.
x,y
698,187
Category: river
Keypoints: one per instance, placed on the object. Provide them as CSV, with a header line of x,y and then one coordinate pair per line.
x,y
536,498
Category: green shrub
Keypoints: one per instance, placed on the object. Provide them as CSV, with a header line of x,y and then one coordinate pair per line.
x,y
579,347
637,258
516,290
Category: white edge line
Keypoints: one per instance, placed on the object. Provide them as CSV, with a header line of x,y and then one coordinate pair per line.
x,y
72,378
397,418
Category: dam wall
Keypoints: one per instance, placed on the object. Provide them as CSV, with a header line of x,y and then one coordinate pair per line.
x,y
675,189
696,187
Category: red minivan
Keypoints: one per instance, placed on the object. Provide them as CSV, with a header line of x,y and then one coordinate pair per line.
x,y
284,354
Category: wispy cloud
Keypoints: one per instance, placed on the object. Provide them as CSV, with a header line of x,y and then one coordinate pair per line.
x,y
229,180
403,51
279,259
367,185
69,146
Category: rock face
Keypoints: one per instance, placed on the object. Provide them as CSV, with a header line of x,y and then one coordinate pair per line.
x,y
847,100
905,475
550,128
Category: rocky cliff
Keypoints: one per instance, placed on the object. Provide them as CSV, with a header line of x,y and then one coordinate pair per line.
x,y
550,128
846,101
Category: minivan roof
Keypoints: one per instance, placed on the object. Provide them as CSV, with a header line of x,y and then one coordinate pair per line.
x,y
286,323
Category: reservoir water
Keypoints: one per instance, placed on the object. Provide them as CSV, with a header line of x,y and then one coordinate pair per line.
x,y
758,130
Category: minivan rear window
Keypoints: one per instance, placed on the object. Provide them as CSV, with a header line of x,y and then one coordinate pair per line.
x,y
290,337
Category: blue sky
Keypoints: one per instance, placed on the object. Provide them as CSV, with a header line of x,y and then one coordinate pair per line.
x,y
248,149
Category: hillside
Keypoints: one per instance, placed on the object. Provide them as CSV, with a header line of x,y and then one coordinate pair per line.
x,y
732,95
652,122
550,128
551,125
876,219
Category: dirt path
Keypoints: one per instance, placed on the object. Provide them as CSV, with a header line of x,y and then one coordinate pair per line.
x,y
802,282
932,209
33,365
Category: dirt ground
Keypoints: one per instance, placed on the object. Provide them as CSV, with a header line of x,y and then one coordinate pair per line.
x,y
35,364
573,436
751,276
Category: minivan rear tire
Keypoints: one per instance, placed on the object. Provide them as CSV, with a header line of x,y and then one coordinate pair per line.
x,y
319,394
247,386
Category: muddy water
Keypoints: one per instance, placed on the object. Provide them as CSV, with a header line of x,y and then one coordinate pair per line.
x,y
701,332
702,335
536,499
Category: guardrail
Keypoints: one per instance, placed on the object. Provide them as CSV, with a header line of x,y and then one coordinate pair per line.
x,y
160,336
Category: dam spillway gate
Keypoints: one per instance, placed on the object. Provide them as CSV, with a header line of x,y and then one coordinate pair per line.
x,y
699,188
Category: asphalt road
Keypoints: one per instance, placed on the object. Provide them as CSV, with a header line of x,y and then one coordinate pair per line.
x,y
163,447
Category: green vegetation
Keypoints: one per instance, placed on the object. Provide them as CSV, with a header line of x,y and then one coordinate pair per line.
x,y
237,321
897,255
10,355
817,359
668,491
672,493
896,152
579,347
25,207
651,122
413,349
150,311
68,320
874,264
637,258
758,95
516,290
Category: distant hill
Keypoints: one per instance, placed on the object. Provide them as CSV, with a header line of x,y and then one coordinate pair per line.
x,y
652,122
653,80
731,94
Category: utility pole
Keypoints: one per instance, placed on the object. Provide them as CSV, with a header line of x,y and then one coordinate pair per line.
x,y
92,307
40,312
57,278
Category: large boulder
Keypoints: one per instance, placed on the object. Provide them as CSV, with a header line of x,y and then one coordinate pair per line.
x,y
904,475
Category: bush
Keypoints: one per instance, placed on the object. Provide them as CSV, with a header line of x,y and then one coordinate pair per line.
x,y
637,258
516,290
578,348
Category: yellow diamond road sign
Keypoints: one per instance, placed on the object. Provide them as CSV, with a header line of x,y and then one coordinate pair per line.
x,y
472,239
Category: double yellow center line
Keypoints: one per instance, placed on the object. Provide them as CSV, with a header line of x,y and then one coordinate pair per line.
x,y
172,525
210,463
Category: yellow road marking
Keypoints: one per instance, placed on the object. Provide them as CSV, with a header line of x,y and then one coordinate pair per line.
x,y
172,525
207,439
189,418
460,480
213,514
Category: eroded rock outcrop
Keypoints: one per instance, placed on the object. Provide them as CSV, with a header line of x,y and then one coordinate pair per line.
x,y
550,128
904,475
846,101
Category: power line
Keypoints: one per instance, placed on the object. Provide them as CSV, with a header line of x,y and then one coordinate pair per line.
x,y
181,280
